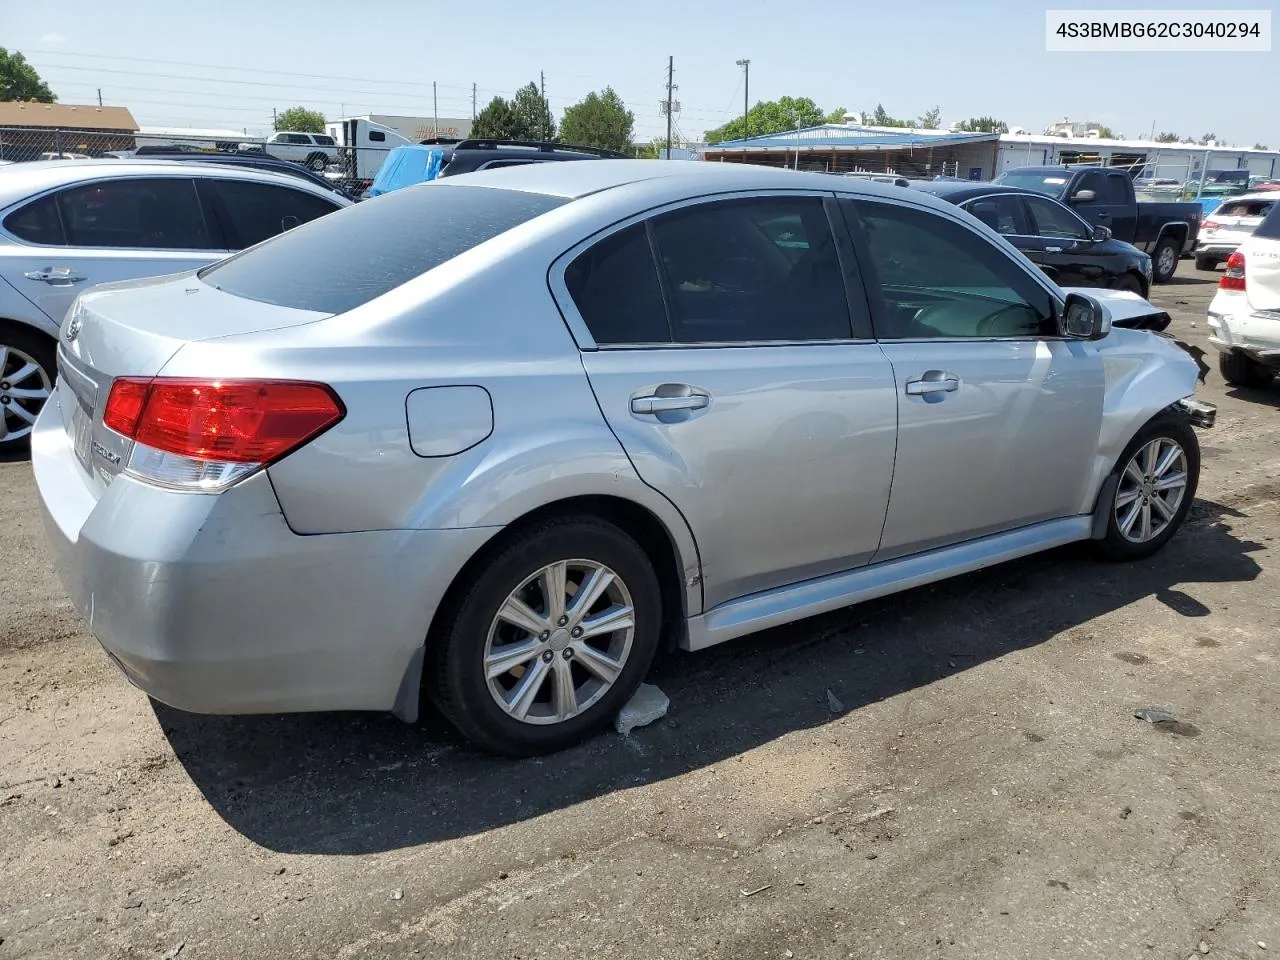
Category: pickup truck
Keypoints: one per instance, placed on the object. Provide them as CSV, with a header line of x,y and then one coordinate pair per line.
x,y
1167,230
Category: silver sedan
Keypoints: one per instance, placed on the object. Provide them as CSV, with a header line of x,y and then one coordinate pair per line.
x,y
491,439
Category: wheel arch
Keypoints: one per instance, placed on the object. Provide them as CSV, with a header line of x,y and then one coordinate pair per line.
x,y
666,548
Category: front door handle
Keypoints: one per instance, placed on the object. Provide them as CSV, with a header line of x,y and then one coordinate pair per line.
x,y
54,275
656,404
935,381
1052,249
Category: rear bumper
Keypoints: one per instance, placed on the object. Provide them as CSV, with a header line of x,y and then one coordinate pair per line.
x,y
1234,327
211,604
1217,248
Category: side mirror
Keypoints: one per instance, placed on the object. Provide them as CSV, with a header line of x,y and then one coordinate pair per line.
x,y
1084,196
1101,234
1084,318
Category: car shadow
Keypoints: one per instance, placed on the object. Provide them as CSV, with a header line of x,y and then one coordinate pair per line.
x,y
1268,395
360,783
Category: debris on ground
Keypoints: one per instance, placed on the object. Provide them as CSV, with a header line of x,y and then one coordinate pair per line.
x,y
833,703
1164,720
752,893
173,954
397,894
648,704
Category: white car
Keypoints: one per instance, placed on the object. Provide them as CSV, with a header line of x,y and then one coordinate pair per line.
x,y
1227,227
1244,316
314,150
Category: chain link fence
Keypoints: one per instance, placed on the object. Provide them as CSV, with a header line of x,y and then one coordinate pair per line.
x,y
348,168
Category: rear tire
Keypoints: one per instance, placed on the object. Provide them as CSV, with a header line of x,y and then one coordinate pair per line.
x,y
1147,505
525,710
1164,260
1243,371
1204,262
317,162
21,347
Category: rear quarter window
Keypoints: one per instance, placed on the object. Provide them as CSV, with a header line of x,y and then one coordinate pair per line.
x,y
398,237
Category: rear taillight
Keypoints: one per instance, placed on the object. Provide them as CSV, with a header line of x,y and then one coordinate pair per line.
x,y
1211,225
1233,277
207,434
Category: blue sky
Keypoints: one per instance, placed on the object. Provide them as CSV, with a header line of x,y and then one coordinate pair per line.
x,y
980,57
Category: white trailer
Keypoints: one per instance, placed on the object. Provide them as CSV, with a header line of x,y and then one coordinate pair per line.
x,y
363,145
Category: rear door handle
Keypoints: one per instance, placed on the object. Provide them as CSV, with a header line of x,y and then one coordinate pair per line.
x,y
54,275
656,404
933,382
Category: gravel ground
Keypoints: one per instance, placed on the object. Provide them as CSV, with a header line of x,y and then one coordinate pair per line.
x,y
981,789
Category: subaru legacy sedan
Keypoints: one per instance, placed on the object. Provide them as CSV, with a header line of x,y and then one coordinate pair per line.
x,y
490,439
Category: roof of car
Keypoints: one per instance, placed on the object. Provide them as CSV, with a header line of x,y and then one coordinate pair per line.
x,y
960,191
21,180
571,180
1271,195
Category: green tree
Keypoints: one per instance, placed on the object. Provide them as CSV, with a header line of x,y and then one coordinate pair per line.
x,y
931,120
1261,146
982,125
1203,141
599,120
1106,133
837,115
19,80
534,113
772,116
499,121
1167,137
300,120
881,118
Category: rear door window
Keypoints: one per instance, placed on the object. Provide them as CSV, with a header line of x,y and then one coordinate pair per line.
x,y
1003,214
137,213
758,269
338,262
253,212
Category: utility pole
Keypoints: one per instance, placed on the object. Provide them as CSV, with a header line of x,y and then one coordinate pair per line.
x,y
273,118
473,103
99,96
746,82
435,111
671,72
542,115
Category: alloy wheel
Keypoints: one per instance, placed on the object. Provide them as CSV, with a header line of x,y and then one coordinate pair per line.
x,y
1151,489
24,388
1168,260
559,641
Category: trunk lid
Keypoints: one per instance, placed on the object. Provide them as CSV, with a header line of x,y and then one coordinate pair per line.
x,y
133,329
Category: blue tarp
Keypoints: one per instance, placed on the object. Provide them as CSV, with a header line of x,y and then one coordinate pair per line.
x,y
406,166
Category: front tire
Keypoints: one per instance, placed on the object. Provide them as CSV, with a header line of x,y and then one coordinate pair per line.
x,y
1156,479
1204,262
1243,371
28,368
317,162
1133,284
549,640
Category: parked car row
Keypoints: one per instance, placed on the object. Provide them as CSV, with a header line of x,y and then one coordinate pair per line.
x,y
575,410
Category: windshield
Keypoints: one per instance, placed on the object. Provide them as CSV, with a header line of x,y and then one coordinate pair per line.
x,y
1050,184
338,262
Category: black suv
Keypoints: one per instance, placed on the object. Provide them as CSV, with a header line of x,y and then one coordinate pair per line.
x,y
467,156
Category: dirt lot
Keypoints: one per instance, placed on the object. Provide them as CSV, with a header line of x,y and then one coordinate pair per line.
x,y
982,789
